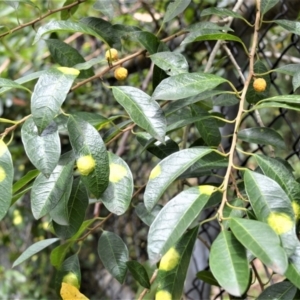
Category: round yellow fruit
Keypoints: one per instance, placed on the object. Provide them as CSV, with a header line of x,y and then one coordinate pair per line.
x,y
170,260
111,55
72,279
259,85
163,295
121,73
86,164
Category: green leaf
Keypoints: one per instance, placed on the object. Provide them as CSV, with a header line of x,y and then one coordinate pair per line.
x,y
175,8
147,39
225,100
33,249
172,63
58,254
10,84
272,205
262,241
229,264
284,290
290,69
158,149
47,192
89,64
207,277
106,7
43,150
117,197
145,112
221,12
296,81
29,176
173,280
168,170
104,30
68,26
173,220
277,105
67,56
207,128
6,179
77,205
139,273
86,140
293,271
266,5
147,216
67,13
263,136
252,96
291,26
186,85
49,94
113,254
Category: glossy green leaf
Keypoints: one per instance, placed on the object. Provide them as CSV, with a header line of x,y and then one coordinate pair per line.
x,y
145,112
263,136
117,197
47,192
43,149
277,171
106,7
67,56
6,179
290,69
173,220
147,39
252,96
19,195
49,93
185,85
262,241
266,5
70,265
33,249
29,176
207,277
225,100
270,104
77,205
10,84
147,216
207,128
158,149
168,170
273,206
291,26
293,271
86,140
284,290
173,280
68,13
68,26
221,12
113,254
229,264
139,273
103,29
172,63
175,8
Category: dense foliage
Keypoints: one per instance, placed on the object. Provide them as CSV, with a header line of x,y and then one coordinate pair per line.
x,y
106,115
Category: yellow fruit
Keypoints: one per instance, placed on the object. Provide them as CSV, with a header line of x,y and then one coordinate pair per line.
x,y
163,295
170,260
111,55
86,164
280,222
121,73
259,85
70,292
72,279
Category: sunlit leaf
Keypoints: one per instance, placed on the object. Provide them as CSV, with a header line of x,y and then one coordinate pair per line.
x,y
175,8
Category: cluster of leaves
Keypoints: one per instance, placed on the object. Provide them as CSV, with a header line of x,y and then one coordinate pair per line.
x,y
260,221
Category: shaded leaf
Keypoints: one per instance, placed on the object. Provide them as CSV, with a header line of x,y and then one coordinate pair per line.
x,y
221,12
8,84
175,8
284,290
263,136
139,273
266,5
29,176
113,254
106,7
147,216
291,26
207,277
